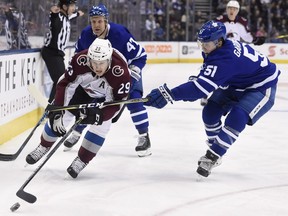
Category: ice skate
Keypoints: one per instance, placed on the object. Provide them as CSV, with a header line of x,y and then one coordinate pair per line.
x,y
143,148
71,141
37,154
207,162
76,167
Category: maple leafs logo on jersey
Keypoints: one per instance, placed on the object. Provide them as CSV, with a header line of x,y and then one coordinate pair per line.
x,y
214,24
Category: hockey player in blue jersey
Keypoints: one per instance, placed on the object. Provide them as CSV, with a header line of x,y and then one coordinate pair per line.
x,y
243,83
122,40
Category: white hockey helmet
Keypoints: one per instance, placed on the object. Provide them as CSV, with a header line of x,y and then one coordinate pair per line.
x,y
234,4
100,50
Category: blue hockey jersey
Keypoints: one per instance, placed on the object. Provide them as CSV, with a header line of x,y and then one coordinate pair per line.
x,y
121,39
235,65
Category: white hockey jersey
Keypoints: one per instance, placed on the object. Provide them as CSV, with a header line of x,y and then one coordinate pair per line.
x,y
237,29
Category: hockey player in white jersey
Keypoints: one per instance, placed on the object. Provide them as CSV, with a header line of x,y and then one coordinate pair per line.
x,y
243,82
237,26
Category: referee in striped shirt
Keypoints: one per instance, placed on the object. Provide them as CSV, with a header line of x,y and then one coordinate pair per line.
x,y
57,38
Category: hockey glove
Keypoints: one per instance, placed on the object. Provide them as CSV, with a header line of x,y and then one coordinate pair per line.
x,y
91,116
259,40
158,98
56,123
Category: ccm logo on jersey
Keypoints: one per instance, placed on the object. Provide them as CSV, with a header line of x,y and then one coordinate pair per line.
x,y
117,71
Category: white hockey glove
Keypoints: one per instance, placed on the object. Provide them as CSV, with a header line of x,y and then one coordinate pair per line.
x,y
135,72
56,123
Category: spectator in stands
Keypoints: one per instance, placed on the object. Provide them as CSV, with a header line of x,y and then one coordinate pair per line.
x,y
15,29
2,19
261,31
150,26
199,20
161,19
159,33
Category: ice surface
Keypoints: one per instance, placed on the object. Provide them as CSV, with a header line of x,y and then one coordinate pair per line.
x,y
252,180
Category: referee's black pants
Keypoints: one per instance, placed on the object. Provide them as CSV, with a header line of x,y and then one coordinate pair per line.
x,y
54,60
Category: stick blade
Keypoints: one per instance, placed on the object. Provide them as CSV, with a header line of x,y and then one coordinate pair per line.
x,y
30,198
7,157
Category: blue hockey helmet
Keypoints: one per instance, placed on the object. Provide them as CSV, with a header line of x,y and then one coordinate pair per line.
x,y
211,31
99,10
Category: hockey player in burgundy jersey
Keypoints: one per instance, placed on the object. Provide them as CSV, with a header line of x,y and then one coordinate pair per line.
x,y
103,75
122,40
237,26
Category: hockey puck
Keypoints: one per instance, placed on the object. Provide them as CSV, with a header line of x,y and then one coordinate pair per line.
x,y
15,206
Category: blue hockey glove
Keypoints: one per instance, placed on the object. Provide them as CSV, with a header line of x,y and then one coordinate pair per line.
x,y
91,116
56,123
159,97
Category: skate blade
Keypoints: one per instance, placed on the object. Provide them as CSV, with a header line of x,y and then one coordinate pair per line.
x,y
145,153
200,178
66,149
67,177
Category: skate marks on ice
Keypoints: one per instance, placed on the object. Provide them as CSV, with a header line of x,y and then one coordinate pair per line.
x,y
204,202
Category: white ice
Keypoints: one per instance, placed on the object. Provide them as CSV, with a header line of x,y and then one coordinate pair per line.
x,y
252,180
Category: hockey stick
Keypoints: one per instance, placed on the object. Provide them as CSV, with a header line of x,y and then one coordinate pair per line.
x,y
115,119
282,36
10,157
28,197
52,108
41,100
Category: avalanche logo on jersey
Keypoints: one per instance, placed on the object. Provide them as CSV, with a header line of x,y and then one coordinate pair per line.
x,y
82,60
117,71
